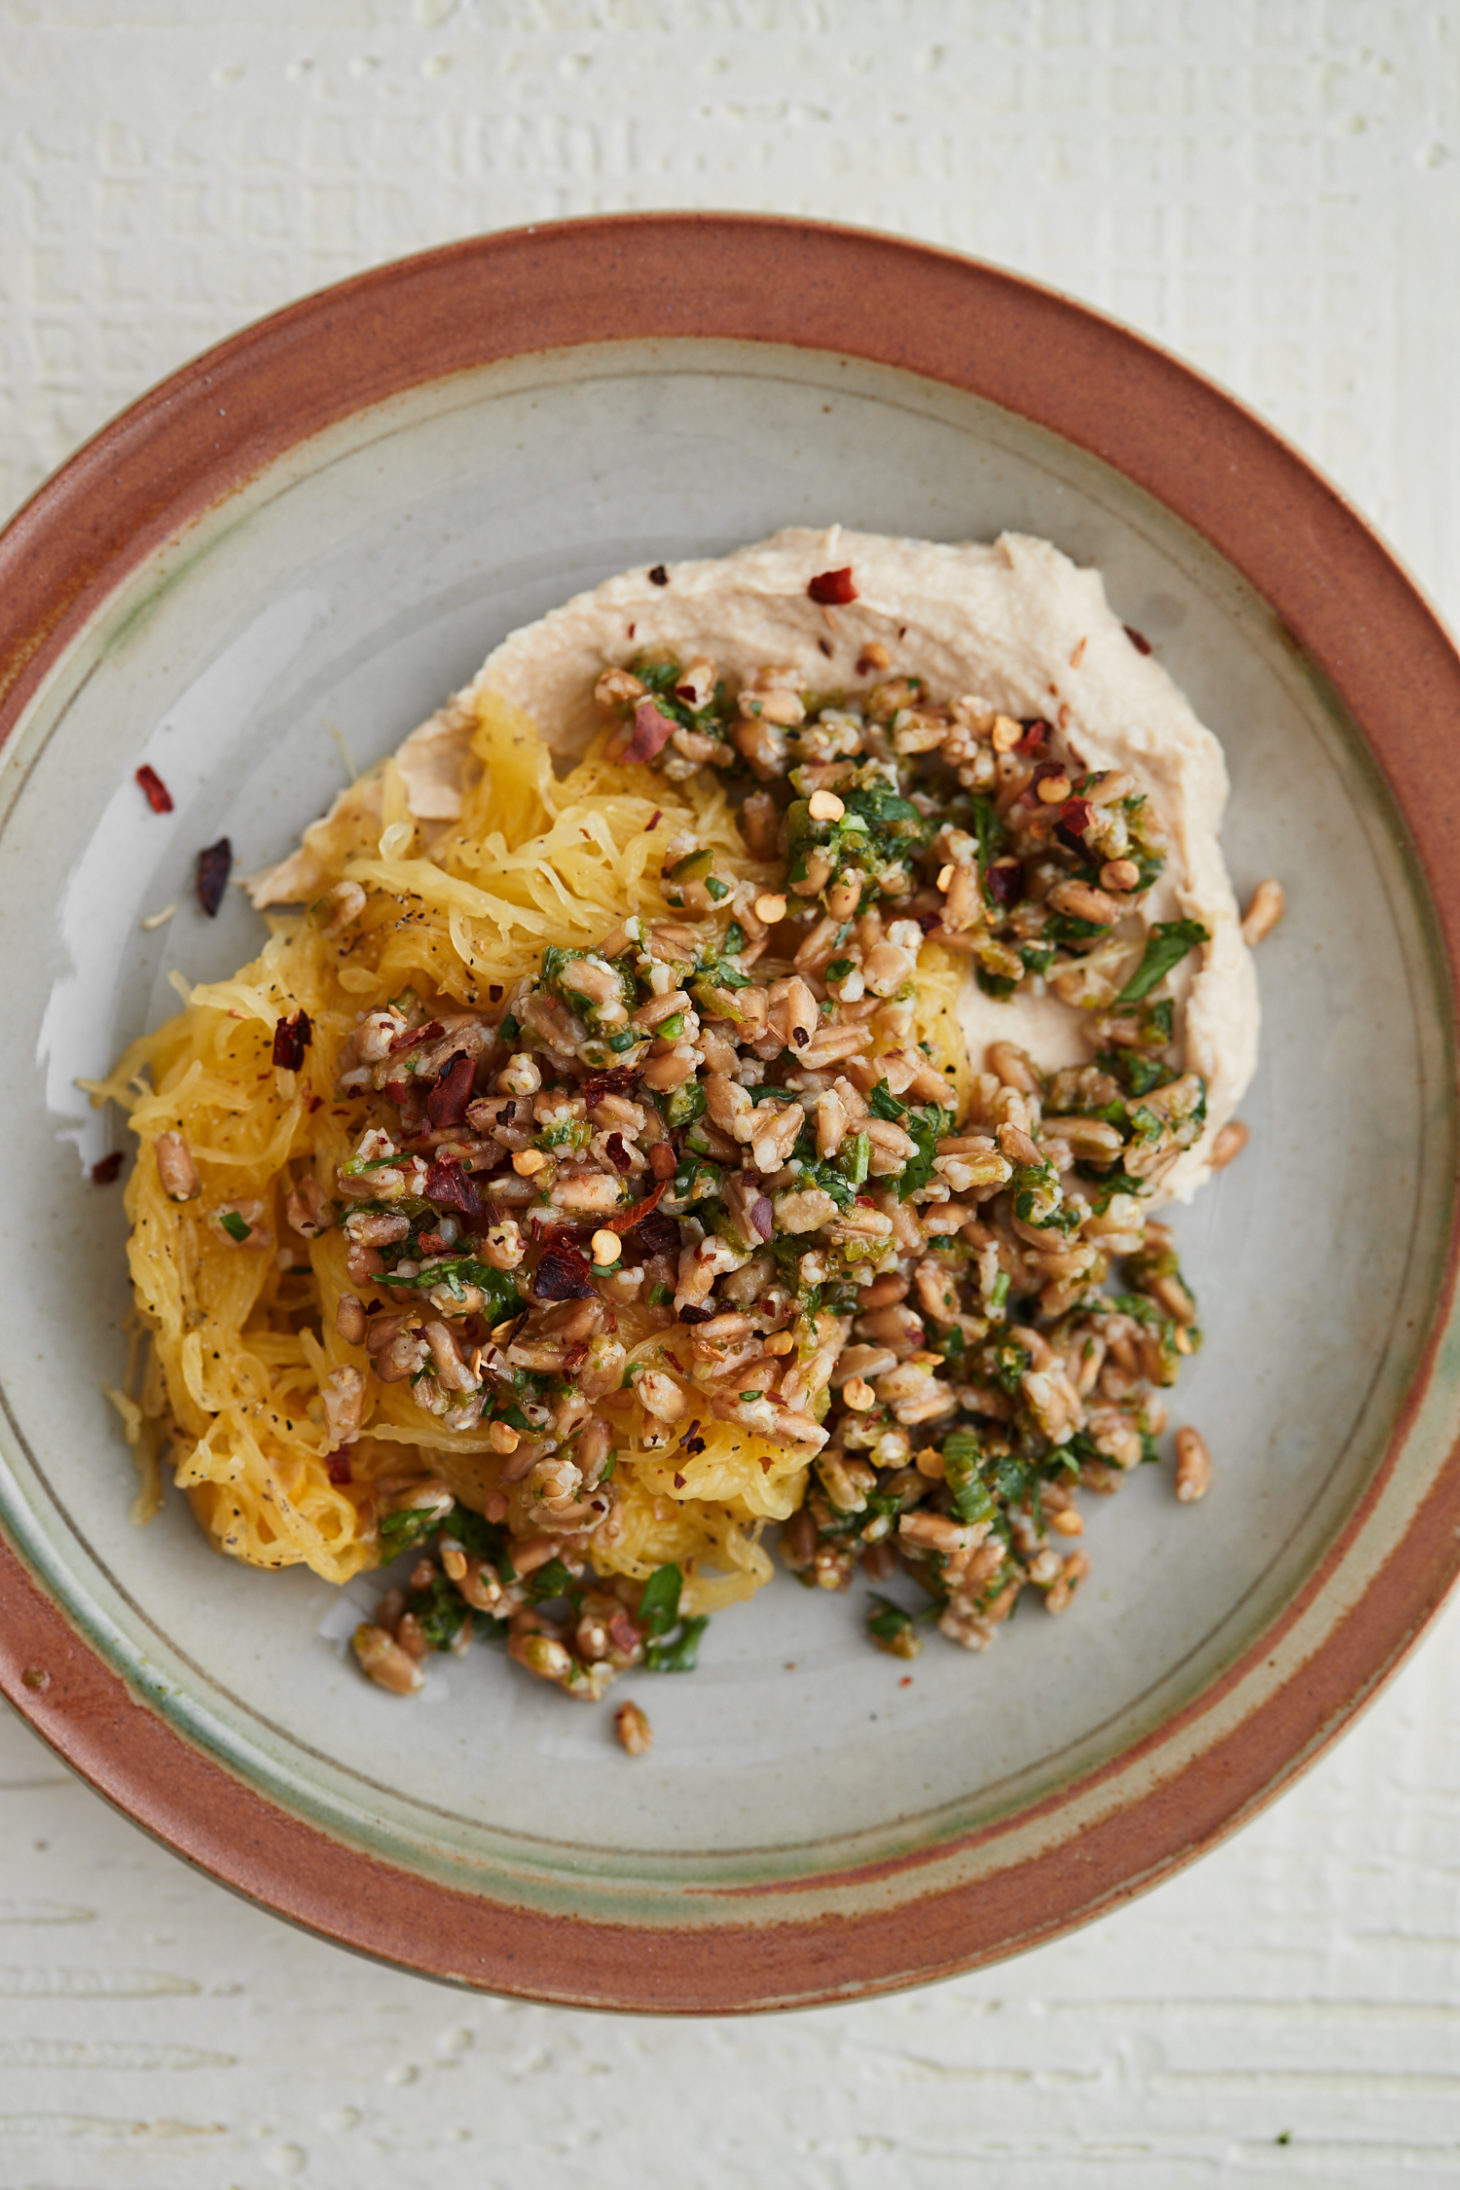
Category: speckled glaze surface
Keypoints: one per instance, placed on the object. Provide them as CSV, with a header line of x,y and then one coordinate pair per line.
x,y
313,534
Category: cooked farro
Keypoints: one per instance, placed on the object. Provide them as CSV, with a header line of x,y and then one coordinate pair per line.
x,y
941,1289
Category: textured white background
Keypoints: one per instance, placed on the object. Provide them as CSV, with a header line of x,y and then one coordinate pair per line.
x,y
1272,189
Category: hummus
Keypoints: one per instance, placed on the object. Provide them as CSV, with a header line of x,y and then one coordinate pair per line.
x,y
1015,624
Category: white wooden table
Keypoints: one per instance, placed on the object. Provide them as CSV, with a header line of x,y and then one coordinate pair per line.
x,y
1271,187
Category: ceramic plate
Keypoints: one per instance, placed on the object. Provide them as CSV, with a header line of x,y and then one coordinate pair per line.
x,y
290,554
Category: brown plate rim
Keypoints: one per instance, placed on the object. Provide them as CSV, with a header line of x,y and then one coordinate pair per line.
x,y
202,435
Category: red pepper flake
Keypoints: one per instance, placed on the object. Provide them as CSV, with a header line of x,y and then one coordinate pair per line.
x,y
409,1037
624,1220
654,819
562,1274
617,1153
1137,639
658,576
447,1101
1035,735
312,1101
105,1172
1004,881
432,1243
215,864
833,588
494,992
679,1482
689,1433
617,1081
398,1092
1076,815
825,647
657,1236
154,790
449,1187
338,1464
292,1038
650,734
906,1681
690,1314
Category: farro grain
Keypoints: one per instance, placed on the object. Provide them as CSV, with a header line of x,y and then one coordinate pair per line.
x,y
1193,1466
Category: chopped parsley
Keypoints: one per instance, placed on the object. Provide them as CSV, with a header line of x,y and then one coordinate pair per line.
x,y
927,1127
673,1641
892,1629
1166,946
399,1530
